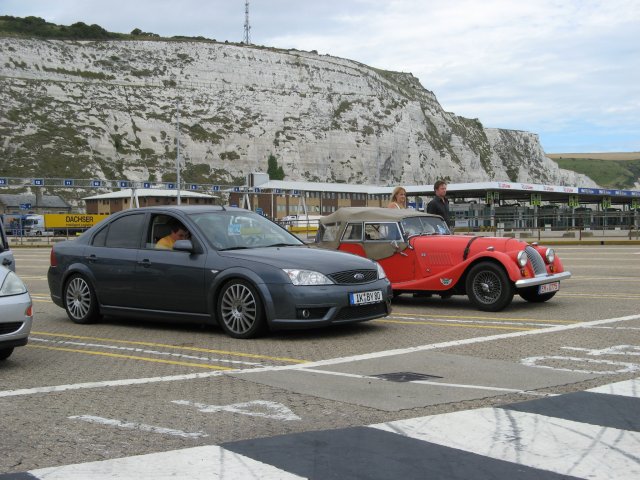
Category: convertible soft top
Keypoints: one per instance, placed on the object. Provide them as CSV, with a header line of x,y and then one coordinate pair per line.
x,y
374,250
371,214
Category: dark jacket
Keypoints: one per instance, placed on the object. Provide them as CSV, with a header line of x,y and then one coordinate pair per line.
x,y
439,206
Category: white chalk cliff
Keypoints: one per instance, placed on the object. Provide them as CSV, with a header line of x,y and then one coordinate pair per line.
x,y
107,109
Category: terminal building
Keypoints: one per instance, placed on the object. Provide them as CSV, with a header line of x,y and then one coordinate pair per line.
x,y
473,205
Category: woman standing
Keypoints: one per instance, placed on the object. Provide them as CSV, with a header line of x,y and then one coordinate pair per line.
x,y
398,198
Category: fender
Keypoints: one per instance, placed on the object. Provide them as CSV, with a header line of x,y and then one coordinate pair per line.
x,y
245,274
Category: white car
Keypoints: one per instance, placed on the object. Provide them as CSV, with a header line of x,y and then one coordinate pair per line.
x,y
6,255
16,312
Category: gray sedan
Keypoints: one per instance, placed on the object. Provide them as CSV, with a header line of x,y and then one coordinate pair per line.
x,y
16,312
212,265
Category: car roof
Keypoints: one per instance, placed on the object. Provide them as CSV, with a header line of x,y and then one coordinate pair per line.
x,y
359,214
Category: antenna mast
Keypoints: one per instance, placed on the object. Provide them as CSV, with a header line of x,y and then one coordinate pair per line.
x,y
247,28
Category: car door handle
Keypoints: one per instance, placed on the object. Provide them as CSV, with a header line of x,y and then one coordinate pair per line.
x,y
146,263
92,258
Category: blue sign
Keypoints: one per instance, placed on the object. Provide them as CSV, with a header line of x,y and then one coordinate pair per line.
x,y
256,189
194,187
278,190
259,211
216,188
171,185
96,183
3,181
123,184
236,189
38,182
296,192
25,206
146,185
68,183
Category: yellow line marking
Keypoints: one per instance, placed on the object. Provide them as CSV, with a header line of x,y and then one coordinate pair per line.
x,y
623,296
133,357
475,317
152,344
466,325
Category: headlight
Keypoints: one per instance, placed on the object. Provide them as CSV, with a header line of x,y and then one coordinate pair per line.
x,y
381,273
307,277
12,285
550,255
522,258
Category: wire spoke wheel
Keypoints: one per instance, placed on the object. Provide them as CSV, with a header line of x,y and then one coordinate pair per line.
x,y
240,310
488,287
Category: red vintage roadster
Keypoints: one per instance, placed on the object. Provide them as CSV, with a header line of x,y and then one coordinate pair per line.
x,y
421,256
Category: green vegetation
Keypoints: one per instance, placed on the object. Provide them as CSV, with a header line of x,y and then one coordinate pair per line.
x,y
80,73
606,173
38,27
274,170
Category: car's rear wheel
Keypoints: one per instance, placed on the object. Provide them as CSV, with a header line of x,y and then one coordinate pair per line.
x,y
240,311
530,294
6,353
80,300
489,287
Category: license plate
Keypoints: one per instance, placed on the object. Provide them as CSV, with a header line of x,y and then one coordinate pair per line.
x,y
361,298
549,287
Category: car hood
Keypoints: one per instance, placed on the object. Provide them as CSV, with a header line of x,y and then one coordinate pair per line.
x,y
458,243
323,261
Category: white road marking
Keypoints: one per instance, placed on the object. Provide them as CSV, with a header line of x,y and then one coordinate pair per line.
x,y
627,388
198,463
273,410
142,350
320,363
137,426
562,446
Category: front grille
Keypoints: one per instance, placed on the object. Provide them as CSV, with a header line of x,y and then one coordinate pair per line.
x,y
362,312
536,260
349,277
12,327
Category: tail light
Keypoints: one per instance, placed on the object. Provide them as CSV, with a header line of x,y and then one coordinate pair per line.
x,y
53,261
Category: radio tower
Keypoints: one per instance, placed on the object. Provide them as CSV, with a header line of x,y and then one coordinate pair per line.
x,y
247,28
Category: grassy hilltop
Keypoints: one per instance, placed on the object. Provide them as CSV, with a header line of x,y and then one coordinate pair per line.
x,y
610,170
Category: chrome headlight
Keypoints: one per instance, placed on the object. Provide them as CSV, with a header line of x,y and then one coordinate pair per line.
x,y
306,277
550,255
522,258
381,273
12,285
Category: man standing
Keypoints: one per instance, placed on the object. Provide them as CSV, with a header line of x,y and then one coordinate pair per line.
x,y
440,204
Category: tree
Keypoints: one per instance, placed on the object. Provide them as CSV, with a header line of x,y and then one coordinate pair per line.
x,y
274,170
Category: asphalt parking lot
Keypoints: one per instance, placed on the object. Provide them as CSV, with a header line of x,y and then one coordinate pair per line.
x,y
122,387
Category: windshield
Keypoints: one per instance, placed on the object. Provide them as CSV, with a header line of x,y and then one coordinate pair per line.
x,y
424,226
232,230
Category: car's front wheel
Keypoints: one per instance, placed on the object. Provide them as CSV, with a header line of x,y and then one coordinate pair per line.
x,y
530,294
80,300
240,311
5,353
489,287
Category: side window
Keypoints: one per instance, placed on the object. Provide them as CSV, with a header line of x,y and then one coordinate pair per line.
x,y
125,232
100,237
329,232
353,233
382,232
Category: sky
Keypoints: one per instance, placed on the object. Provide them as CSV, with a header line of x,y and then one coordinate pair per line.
x,y
568,70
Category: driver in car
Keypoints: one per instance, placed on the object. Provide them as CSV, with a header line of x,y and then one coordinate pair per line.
x,y
178,232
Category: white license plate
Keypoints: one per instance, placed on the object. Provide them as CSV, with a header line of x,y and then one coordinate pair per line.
x,y
549,287
361,298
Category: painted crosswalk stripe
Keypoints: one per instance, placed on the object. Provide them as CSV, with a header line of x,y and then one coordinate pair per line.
x,y
198,463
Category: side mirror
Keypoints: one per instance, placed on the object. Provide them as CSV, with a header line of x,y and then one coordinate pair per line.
x,y
183,246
